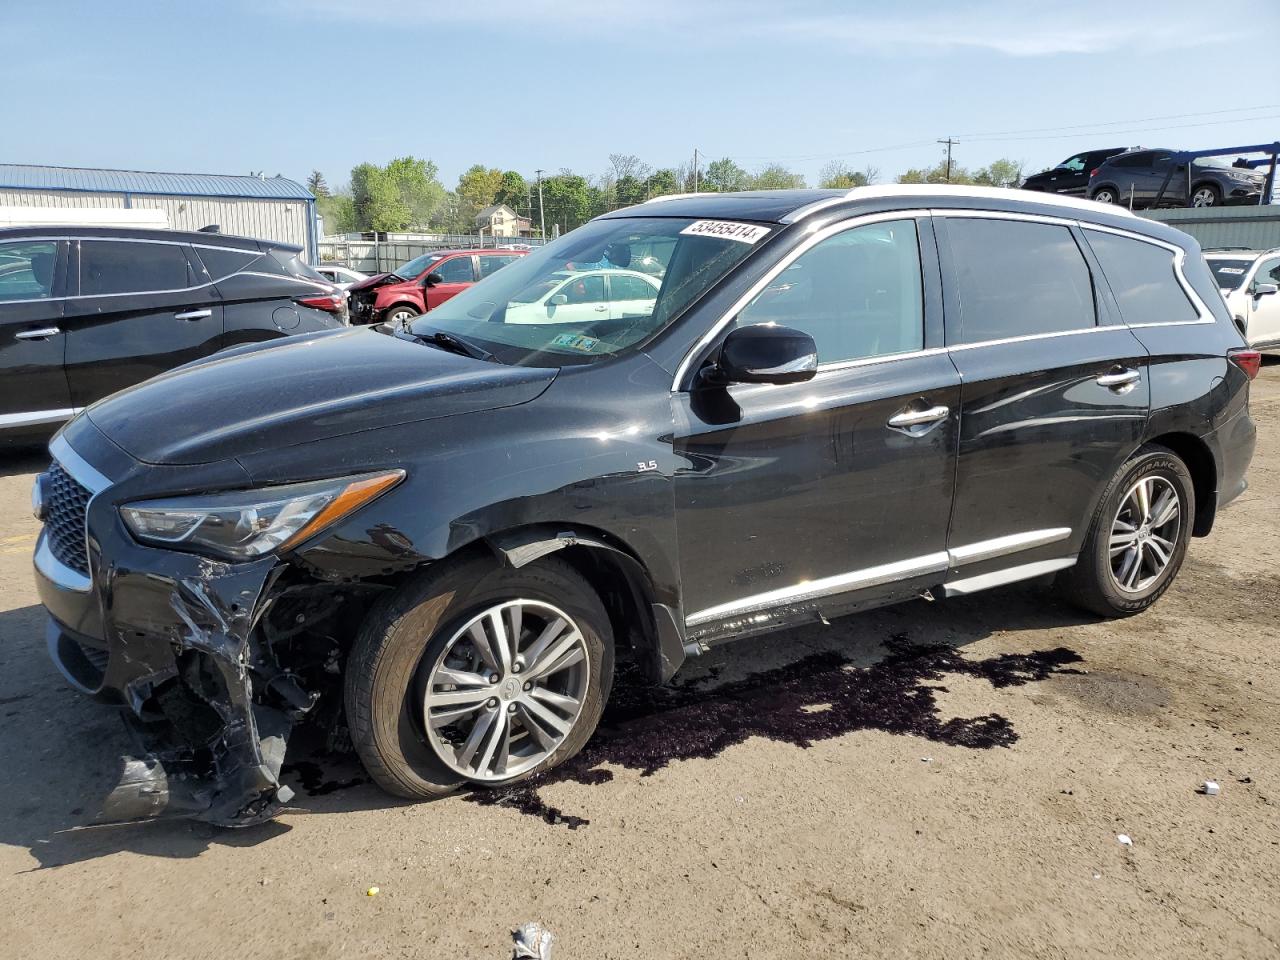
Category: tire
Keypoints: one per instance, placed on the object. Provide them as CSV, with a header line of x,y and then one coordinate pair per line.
x,y
1096,582
1105,195
1205,195
400,312
403,644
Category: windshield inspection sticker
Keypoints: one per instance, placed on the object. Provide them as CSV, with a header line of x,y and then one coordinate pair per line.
x,y
575,342
1231,270
726,230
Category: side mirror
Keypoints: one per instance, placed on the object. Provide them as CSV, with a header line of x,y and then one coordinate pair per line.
x,y
764,354
1265,289
431,279
559,300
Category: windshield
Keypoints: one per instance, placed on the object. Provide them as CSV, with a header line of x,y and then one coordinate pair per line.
x,y
595,292
1229,273
417,266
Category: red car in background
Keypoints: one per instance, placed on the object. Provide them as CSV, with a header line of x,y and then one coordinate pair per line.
x,y
423,283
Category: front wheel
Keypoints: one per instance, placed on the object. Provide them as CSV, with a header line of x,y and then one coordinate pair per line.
x,y
1137,539
481,675
1206,195
399,314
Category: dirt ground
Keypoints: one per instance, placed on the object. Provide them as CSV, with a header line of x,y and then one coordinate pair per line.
x,y
934,780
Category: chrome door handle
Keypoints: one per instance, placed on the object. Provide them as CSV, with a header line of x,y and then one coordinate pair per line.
x,y
193,315
1122,379
601,309
44,333
914,418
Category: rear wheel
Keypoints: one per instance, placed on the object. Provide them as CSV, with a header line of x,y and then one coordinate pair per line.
x,y
1206,195
1138,537
479,675
1106,195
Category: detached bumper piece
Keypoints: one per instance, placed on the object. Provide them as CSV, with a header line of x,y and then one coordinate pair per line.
x,y
209,748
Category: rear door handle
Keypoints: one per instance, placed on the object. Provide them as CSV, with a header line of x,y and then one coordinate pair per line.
x,y
44,333
916,418
193,315
1121,378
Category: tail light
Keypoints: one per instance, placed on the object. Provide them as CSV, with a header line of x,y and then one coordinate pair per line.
x,y
328,302
1250,361
1094,172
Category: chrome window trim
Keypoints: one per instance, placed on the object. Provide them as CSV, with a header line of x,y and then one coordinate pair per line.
x,y
34,417
814,238
924,192
958,347
939,562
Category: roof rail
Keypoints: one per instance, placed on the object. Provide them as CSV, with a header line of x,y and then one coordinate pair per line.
x,y
676,196
906,190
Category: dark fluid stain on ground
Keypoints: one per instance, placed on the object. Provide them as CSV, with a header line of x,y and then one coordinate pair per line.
x,y
646,727
312,778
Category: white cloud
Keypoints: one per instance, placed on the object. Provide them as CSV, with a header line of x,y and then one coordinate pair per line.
x,y
1016,28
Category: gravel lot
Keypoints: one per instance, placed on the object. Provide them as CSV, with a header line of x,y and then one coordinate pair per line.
x,y
933,780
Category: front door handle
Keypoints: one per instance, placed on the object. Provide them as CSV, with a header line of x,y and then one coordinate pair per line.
x,y
193,315
1119,379
917,418
44,333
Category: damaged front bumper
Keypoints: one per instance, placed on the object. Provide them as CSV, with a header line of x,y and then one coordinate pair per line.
x,y
173,639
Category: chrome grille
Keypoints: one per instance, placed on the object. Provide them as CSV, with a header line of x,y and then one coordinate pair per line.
x,y
66,503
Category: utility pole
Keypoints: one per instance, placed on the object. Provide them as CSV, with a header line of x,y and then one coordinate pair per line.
x,y
695,169
950,143
542,212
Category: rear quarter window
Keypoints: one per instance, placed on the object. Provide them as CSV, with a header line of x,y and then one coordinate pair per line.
x,y
1017,279
117,266
221,263
1142,279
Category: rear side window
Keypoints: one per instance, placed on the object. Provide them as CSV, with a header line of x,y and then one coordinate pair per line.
x,y
1018,279
222,263
113,266
489,263
26,269
1142,279
294,266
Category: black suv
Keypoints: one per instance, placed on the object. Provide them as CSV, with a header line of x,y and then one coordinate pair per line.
x,y
1071,176
87,311
833,401
1138,175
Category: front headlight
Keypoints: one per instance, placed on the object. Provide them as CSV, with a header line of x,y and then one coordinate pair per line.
x,y
245,524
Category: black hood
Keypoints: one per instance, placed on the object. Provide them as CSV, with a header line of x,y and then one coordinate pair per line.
x,y
302,389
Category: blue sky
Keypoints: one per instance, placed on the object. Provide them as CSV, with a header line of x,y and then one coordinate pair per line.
x,y
230,86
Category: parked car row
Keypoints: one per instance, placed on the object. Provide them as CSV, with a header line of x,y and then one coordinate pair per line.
x,y
1134,177
423,283
87,311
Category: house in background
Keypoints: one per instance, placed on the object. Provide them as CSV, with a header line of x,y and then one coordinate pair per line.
x,y
273,208
499,220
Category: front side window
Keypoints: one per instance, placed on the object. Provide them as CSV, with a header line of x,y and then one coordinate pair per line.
x,y
457,270
1016,279
416,267
1269,272
1142,278
540,311
1074,165
114,266
26,269
857,293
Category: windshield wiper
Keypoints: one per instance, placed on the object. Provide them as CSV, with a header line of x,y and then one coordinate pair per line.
x,y
453,344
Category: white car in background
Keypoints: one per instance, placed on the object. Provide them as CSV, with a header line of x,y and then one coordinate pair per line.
x,y
1250,283
584,296
343,277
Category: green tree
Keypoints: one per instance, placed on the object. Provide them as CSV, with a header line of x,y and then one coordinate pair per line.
x,y
937,174
514,192
568,200
776,177
838,175
316,184
628,191
476,190
661,182
338,212
1000,173
724,176
405,193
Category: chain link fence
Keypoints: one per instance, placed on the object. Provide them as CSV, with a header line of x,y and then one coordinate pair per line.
x,y
383,256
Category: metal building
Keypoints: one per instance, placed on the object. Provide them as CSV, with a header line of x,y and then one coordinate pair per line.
x,y
1251,227
273,208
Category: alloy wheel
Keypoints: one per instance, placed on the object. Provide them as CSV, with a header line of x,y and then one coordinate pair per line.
x,y
1104,196
1144,534
1204,197
506,690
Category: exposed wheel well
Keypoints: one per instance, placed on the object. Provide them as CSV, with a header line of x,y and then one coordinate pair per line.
x,y
1204,476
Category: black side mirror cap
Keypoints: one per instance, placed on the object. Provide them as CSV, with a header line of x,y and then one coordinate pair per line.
x,y
765,353
431,279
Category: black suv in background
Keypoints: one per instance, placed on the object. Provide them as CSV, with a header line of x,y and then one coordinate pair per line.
x,y
1071,176
1139,174
85,311
834,400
